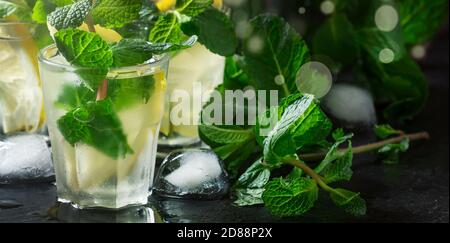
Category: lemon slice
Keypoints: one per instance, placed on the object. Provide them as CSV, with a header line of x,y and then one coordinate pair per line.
x,y
20,86
107,35
218,3
166,5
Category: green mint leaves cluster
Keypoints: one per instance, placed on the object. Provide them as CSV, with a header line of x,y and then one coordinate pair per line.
x,y
301,124
353,40
90,120
196,17
300,128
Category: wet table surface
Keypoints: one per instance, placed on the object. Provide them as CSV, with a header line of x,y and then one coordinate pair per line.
x,y
416,190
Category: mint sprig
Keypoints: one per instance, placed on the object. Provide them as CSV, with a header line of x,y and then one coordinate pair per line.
x,y
96,123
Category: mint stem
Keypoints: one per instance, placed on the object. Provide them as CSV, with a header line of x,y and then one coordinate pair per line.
x,y
316,177
102,90
369,147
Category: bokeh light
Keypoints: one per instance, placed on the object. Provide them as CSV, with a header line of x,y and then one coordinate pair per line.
x,y
386,18
314,78
386,56
327,7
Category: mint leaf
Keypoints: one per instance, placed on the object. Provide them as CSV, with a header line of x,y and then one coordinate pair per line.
x,y
334,153
223,135
40,10
167,29
250,185
85,49
385,131
290,197
215,31
337,166
256,176
248,197
401,85
233,144
351,202
301,123
128,52
390,154
192,8
338,134
73,96
116,13
273,51
421,19
336,38
127,92
373,41
70,16
95,124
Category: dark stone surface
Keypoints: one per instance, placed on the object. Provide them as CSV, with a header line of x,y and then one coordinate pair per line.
x,y
414,191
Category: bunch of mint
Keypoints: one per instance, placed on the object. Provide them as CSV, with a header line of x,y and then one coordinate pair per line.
x,y
302,136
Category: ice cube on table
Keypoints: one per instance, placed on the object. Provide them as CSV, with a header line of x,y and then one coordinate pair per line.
x,y
25,158
351,105
192,174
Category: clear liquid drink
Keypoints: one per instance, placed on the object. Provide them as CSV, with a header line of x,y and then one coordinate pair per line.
x,y
86,175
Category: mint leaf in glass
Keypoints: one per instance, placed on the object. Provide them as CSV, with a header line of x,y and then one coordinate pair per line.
x,y
116,13
351,202
290,197
192,8
167,29
70,16
128,92
215,31
73,96
96,124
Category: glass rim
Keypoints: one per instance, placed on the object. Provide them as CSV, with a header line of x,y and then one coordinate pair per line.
x,y
159,60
